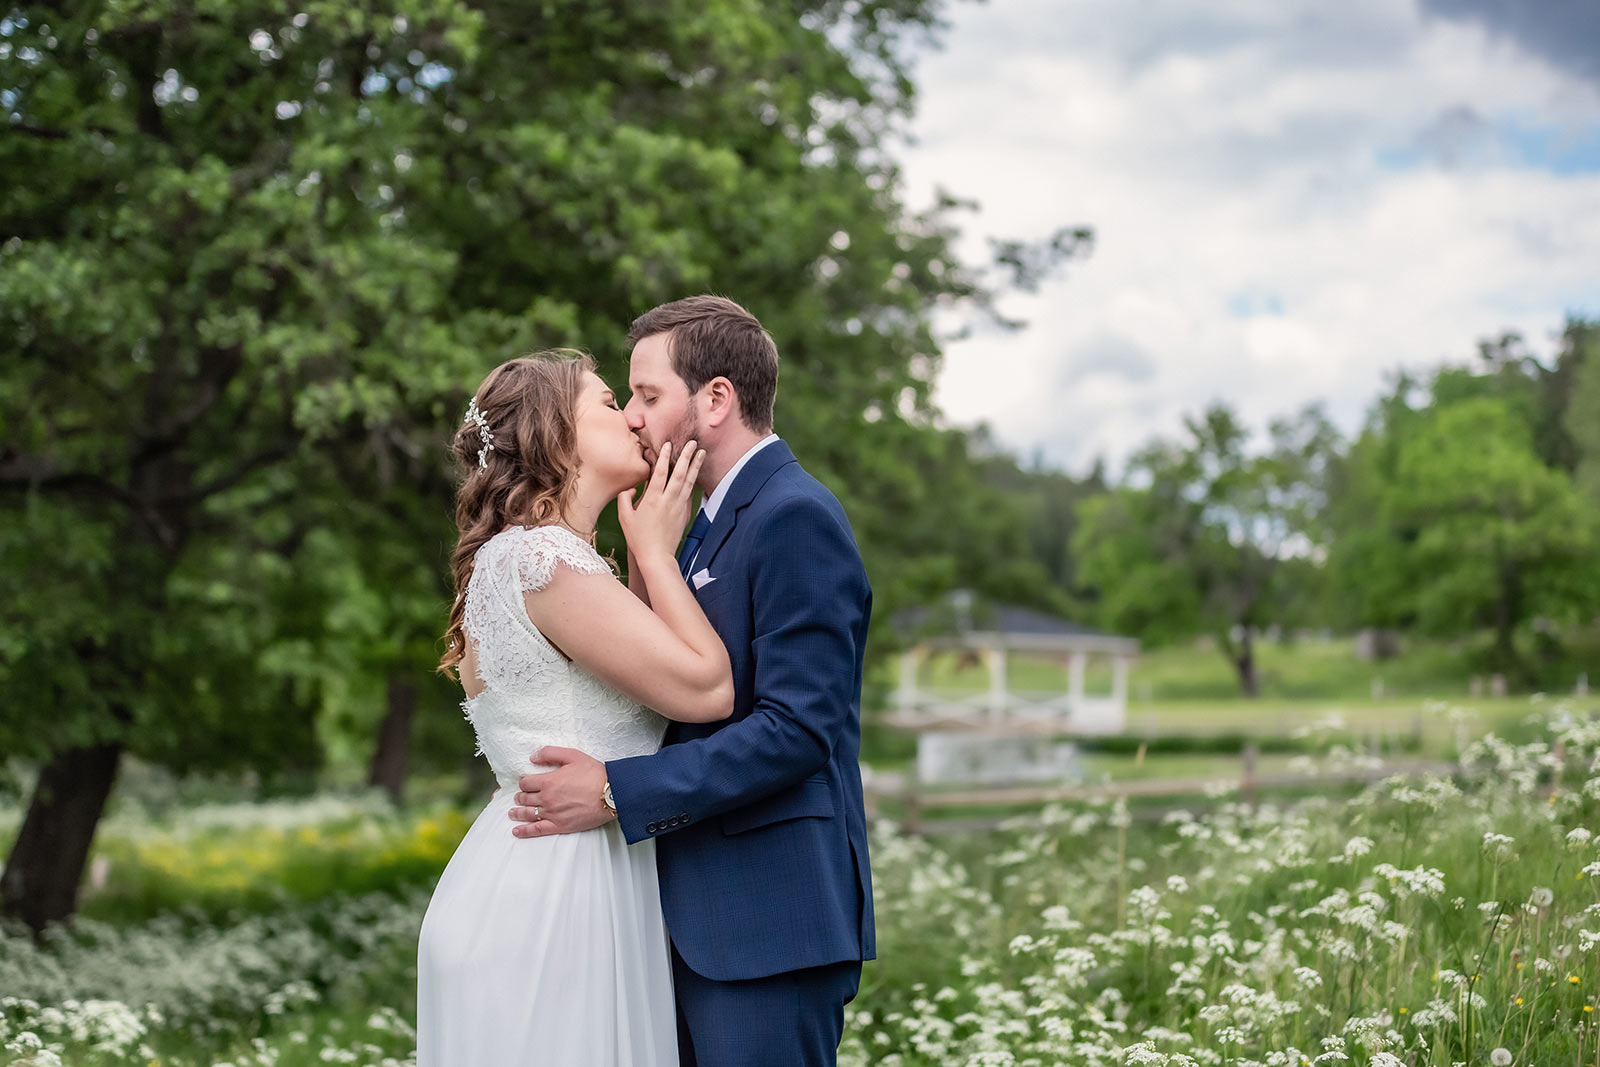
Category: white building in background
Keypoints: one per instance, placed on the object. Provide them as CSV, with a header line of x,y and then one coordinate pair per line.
x,y
1003,733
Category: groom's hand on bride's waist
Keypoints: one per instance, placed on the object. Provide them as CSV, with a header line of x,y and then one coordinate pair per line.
x,y
566,800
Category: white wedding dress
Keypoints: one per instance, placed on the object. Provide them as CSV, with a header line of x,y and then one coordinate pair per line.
x,y
546,950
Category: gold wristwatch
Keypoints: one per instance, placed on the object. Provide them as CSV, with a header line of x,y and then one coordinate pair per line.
x,y
606,799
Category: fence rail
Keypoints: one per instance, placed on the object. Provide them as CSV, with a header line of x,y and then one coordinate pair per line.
x,y
916,799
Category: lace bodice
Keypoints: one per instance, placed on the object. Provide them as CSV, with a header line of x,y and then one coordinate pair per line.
x,y
532,695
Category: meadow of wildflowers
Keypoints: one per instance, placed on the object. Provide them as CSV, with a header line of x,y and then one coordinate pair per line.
x,y
1422,921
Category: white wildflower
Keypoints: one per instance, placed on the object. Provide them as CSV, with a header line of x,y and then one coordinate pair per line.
x,y
1357,846
1142,1055
1498,844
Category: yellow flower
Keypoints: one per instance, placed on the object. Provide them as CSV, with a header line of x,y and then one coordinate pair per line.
x,y
1519,966
1588,1007
1572,978
1403,1011
1519,1000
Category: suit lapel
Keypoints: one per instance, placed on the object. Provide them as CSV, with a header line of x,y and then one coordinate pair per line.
x,y
762,466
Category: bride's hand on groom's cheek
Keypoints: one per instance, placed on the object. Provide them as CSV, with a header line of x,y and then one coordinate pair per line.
x,y
654,522
563,801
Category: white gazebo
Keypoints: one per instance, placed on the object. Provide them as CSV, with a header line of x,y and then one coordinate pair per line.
x,y
1001,732
994,634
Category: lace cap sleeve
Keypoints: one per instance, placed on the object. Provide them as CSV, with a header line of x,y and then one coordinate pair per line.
x,y
536,552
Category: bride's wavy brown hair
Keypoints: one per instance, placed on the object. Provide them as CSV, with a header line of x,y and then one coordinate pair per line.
x,y
531,406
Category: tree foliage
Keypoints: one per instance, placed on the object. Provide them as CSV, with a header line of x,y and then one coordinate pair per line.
x,y
1457,510
1500,538
1580,368
1208,536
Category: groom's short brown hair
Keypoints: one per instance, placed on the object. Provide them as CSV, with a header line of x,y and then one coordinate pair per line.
x,y
712,337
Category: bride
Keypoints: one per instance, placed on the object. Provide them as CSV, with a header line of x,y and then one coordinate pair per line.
x,y
552,949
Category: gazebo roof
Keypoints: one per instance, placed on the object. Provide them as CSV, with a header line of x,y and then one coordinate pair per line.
x,y
965,622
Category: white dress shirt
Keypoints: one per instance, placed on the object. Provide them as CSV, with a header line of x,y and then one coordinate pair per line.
x,y
720,493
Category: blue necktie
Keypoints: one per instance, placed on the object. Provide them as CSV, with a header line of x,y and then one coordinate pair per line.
x,y
691,544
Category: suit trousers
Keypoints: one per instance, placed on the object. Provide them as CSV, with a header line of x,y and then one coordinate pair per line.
x,y
794,1019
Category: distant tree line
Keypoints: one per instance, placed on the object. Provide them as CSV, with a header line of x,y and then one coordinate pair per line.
x,y
1467,506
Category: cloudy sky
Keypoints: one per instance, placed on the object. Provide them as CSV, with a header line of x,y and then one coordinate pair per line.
x,y
1290,198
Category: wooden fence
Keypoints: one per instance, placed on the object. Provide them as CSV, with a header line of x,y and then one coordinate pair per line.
x,y
915,800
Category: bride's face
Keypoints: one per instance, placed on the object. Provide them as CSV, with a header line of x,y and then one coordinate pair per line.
x,y
608,451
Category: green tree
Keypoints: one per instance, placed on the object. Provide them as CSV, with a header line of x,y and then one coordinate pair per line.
x,y
1454,510
1205,536
1367,571
1049,500
1499,538
205,283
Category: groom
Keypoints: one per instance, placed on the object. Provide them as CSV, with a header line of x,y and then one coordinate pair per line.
x,y
761,837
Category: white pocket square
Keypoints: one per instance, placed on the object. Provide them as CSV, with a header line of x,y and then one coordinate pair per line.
x,y
701,579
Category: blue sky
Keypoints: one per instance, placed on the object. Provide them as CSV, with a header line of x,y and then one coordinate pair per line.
x,y
1290,198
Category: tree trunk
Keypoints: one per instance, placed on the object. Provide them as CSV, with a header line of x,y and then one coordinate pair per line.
x,y
388,768
1244,661
1507,612
42,874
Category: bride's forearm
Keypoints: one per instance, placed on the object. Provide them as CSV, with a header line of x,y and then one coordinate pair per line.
x,y
676,606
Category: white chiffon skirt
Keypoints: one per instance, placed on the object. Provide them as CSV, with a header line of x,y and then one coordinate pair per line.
x,y
546,950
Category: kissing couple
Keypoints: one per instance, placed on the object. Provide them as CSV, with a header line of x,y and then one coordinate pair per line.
x,y
674,869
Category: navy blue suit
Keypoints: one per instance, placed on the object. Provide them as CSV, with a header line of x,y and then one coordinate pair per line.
x,y
760,833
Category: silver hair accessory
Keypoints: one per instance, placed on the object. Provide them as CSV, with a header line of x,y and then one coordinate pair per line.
x,y
475,416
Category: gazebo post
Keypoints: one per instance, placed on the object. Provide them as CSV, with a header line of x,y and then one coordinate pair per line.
x,y
999,697
1075,665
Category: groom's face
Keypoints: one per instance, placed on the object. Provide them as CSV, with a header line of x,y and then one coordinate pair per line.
x,y
660,408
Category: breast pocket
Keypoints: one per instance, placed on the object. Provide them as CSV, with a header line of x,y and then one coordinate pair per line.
x,y
810,799
720,600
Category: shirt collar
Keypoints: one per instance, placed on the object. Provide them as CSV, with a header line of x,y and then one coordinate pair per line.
x,y
720,493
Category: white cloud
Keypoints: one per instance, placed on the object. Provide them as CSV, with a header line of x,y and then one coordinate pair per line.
x,y
1258,239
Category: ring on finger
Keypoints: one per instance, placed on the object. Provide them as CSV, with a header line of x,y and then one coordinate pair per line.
x,y
536,811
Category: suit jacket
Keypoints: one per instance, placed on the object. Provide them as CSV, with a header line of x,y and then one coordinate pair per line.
x,y
761,843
